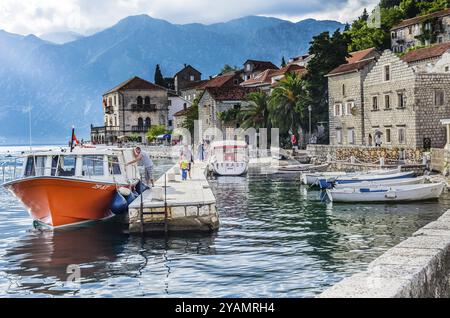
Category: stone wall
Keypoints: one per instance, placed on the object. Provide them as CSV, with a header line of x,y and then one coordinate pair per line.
x,y
402,79
428,114
344,89
366,154
418,267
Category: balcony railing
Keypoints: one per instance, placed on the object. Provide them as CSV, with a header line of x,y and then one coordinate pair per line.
x,y
139,128
109,110
143,108
104,129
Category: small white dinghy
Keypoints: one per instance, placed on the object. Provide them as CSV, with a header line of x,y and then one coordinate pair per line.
x,y
302,168
312,178
383,183
405,193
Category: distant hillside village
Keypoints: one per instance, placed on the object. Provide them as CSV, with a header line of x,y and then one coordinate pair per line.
x,y
394,97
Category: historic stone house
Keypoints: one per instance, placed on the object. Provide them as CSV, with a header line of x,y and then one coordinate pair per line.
x,y
422,30
130,109
404,100
346,98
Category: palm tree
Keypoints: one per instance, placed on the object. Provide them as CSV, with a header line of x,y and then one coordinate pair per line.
x,y
287,104
256,114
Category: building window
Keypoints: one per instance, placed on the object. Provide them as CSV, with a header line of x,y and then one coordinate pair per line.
x,y
447,68
248,67
375,103
410,30
140,122
110,101
439,97
339,136
439,39
170,123
401,100
337,110
115,100
192,78
402,135
387,73
348,108
148,122
139,100
147,100
343,89
394,35
388,135
387,102
170,102
351,136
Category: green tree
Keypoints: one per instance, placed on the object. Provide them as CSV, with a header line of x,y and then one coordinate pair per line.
x,y
286,107
329,53
256,114
191,117
155,131
228,68
159,79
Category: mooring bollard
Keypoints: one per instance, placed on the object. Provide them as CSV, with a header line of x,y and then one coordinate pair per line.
x,y
381,161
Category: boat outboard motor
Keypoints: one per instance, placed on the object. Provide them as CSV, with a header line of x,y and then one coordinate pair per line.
x,y
119,204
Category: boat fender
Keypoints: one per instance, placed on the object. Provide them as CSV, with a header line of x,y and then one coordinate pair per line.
x,y
124,191
131,197
141,187
119,204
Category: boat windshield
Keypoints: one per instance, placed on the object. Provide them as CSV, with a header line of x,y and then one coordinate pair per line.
x,y
35,166
92,165
114,166
66,167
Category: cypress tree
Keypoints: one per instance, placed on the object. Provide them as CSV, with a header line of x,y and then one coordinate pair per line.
x,y
159,79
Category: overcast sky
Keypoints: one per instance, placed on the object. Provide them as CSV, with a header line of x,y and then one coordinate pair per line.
x,y
87,16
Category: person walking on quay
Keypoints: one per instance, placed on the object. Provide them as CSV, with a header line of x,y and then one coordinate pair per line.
x,y
144,160
201,152
184,166
186,155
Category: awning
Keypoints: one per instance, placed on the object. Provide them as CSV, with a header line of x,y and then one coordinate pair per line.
x,y
166,136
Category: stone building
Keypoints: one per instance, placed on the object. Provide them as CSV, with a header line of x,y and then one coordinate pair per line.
x,y
405,98
185,77
220,99
346,98
179,118
266,80
130,109
194,90
422,30
254,67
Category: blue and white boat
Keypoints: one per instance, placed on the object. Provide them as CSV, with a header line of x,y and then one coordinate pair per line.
x,y
327,184
415,192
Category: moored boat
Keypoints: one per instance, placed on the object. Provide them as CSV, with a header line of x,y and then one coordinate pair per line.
x,y
382,183
229,158
302,168
61,188
405,193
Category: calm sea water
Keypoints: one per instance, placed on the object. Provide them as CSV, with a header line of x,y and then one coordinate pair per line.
x,y
276,239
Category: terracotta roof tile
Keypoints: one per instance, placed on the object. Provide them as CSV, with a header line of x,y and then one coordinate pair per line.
x,y
182,112
261,65
421,19
230,93
260,79
135,83
360,55
351,67
426,53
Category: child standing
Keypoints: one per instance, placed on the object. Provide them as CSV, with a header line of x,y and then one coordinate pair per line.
x,y
184,166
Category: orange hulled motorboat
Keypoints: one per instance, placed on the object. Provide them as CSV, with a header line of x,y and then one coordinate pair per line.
x,y
61,188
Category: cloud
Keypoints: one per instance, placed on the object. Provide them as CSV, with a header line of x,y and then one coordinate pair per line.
x,y
85,16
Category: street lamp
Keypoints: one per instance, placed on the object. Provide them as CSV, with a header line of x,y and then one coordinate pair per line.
x,y
309,110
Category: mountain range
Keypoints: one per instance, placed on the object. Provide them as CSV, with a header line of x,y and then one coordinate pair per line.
x,y
63,84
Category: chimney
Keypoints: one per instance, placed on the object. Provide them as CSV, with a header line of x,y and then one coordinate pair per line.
x,y
210,77
185,65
